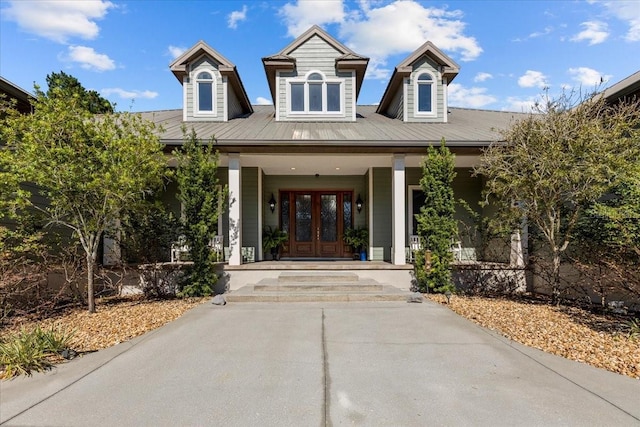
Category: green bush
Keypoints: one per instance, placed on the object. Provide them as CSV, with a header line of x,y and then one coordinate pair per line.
x,y
35,350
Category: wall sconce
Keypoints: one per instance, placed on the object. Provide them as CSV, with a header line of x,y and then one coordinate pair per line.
x,y
359,203
272,203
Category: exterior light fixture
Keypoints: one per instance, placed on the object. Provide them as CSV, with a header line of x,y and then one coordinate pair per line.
x,y
272,203
359,203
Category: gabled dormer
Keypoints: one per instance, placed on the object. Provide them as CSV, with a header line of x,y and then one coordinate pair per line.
x,y
417,91
211,86
315,78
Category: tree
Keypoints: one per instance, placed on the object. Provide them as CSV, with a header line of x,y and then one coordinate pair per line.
x,y
436,225
200,194
66,86
88,168
554,163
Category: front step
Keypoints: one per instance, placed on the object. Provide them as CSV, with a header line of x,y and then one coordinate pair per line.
x,y
317,287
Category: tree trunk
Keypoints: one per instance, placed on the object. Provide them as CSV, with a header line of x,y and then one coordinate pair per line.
x,y
555,293
90,292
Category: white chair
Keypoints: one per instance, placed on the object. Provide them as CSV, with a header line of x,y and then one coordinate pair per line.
x,y
415,244
217,246
248,254
456,248
178,248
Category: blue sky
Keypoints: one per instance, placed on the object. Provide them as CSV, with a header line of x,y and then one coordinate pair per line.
x,y
508,50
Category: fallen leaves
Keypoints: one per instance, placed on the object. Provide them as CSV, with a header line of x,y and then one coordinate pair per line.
x,y
570,332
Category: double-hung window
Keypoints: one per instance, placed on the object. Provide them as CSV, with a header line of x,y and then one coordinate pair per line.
x,y
205,92
425,94
316,94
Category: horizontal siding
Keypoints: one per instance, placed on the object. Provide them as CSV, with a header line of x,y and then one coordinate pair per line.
x,y
425,64
317,55
250,207
235,109
205,64
382,203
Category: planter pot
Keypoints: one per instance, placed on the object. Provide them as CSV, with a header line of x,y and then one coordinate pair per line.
x,y
274,254
363,256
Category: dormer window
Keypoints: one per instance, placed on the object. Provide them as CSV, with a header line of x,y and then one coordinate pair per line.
x,y
425,94
204,98
315,94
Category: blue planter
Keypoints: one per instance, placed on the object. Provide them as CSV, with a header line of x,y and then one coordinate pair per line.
x,y
363,256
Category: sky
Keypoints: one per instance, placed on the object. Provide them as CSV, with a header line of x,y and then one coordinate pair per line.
x,y
509,52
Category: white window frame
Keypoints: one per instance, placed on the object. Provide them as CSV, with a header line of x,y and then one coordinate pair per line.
x,y
196,94
416,92
325,81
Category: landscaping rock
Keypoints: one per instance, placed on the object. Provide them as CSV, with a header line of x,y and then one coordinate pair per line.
x,y
219,300
415,297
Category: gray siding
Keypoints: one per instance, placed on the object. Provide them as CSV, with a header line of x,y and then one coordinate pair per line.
x,y
235,109
210,65
250,207
425,64
316,54
382,202
396,108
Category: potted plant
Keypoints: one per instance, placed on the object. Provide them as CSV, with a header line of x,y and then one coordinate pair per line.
x,y
357,238
272,241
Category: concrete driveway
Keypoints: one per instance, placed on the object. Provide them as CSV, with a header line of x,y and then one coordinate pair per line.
x,y
318,364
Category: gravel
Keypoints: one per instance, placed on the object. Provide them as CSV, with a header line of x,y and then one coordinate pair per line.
x,y
599,340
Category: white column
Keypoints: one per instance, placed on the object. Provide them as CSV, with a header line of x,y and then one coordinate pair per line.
x,y
370,211
398,210
235,209
259,254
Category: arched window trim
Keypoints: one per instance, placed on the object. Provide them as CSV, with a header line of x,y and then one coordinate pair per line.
x,y
197,112
416,90
326,82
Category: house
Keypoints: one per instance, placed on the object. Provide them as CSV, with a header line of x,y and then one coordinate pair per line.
x,y
324,162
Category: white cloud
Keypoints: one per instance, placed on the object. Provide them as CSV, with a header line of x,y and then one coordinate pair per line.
x,y
533,79
237,16
263,101
380,30
300,16
629,12
176,51
594,32
88,58
588,77
129,94
481,77
473,97
520,105
59,20
402,26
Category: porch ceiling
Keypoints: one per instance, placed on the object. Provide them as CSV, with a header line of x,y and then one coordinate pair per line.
x,y
330,164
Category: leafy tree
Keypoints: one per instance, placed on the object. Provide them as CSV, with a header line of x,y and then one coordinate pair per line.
x,y
87,168
553,164
66,86
200,194
436,225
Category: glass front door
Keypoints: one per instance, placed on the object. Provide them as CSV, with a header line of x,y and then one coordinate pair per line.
x,y
315,221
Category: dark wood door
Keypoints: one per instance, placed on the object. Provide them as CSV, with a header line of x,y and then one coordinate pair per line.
x,y
317,223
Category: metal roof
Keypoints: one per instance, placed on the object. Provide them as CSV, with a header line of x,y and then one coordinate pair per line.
x,y
465,128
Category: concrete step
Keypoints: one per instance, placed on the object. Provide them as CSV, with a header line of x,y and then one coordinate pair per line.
x,y
248,294
317,277
277,285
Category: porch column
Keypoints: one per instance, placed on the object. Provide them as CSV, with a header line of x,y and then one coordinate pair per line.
x,y
235,209
398,210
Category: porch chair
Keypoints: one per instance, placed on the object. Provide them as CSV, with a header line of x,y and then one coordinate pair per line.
x,y
217,246
415,244
178,248
456,248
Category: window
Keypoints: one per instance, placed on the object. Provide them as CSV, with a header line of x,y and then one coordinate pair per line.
x,y
315,95
425,94
204,93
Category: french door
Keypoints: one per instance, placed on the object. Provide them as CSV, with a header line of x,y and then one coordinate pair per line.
x,y
315,221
